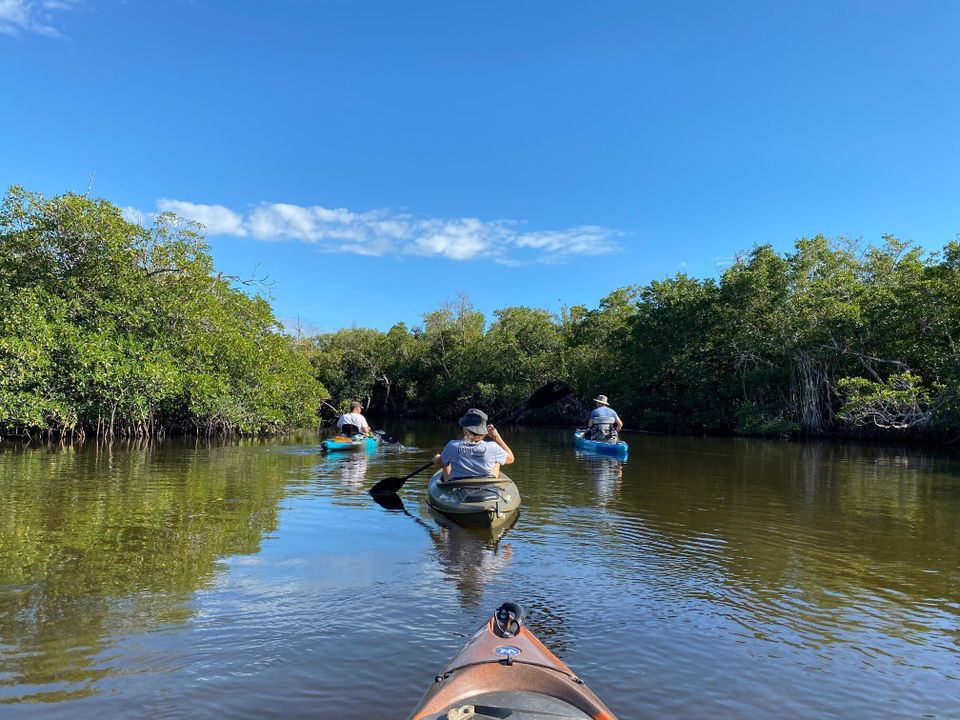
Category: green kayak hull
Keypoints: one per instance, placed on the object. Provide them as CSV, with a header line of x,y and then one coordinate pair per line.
x,y
475,502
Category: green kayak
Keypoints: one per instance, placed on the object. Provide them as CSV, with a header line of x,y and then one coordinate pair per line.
x,y
478,501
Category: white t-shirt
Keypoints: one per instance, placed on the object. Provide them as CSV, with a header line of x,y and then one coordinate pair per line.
x,y
352,418
469,459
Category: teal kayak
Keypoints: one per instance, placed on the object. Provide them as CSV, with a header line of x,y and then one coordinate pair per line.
x,y
619,449
356,443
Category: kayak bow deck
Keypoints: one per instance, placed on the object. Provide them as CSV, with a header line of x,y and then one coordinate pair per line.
x,y
505,671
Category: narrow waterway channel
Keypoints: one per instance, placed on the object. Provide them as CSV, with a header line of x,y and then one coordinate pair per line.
x,y
256,578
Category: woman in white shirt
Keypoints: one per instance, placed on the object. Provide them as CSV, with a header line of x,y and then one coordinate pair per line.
x,y
474,456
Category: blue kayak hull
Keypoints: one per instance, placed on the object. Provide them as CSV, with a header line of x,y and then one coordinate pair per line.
x,y
363,444
618,449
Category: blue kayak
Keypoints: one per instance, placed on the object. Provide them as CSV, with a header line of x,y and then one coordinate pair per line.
x,y
356,443
619,449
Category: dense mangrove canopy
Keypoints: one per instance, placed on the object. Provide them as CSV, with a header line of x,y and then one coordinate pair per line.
x,y
108,327
833,337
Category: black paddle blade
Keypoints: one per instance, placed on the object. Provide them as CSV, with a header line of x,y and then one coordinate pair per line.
x,y
390,485
387,486
390,501
548,394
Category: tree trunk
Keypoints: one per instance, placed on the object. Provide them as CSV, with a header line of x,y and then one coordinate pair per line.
x,y
812,396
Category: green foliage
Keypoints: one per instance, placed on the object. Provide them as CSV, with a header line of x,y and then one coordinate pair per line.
x,y
899,403
755,420
453,361
109,327
831,337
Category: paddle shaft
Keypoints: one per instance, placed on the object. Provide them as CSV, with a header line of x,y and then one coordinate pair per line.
x,y
417,471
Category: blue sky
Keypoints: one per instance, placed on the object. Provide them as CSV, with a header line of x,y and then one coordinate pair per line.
x,y
375,159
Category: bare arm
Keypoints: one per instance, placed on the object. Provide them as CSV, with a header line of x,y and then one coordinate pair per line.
x,y
495,436
446,468
619,423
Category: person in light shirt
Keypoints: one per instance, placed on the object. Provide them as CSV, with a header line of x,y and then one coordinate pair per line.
x,y
474,456
604,423
353,422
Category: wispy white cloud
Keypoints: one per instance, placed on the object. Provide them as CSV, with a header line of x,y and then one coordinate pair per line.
x,y
382,232
217,219
132,214
31,16
723,262
299,327
581,240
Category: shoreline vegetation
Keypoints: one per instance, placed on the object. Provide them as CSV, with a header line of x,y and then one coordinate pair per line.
x,y
110,329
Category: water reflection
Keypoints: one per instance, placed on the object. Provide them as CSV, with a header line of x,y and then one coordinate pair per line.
x,y
607,475
706,577
100,538
470,558
352,469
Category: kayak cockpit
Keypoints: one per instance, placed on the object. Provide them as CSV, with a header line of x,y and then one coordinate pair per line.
x,y
513,705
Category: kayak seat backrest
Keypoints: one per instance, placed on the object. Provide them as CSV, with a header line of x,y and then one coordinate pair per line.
x,y
348,430
602,432
477,480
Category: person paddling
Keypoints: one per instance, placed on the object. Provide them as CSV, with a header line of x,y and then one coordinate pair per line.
x,y
604,423
353,422
474,456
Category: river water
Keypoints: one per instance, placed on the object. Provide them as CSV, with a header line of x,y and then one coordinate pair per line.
x,y
702,578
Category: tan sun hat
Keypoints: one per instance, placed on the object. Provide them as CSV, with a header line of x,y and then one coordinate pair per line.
x,y
601,399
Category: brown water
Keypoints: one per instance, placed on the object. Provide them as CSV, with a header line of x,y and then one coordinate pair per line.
x,y
702,578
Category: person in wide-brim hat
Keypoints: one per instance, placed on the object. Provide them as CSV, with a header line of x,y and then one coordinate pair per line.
x,y
604,423
474,455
